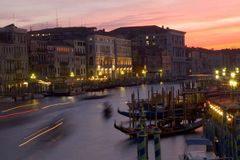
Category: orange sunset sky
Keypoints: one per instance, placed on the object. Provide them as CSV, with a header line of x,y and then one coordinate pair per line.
x,y
208,23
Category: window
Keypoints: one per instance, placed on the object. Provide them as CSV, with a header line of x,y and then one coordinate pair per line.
x,y
147,43
90,48
91,61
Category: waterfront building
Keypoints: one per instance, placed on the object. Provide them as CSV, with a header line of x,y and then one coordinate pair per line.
x,y
40,62
74,37
63,33
79,47
123,58
108,57
156,50
207,61
63,59
50,60
14,57
200,61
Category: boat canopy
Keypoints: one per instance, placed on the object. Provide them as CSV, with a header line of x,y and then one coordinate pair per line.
x,y
198,141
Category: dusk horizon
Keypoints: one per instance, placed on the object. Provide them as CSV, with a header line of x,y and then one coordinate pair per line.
x,y
219,20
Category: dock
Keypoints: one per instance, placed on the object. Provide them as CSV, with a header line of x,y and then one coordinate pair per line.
x,y
222,125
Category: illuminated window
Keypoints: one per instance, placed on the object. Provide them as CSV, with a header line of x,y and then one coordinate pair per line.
x,y
147,43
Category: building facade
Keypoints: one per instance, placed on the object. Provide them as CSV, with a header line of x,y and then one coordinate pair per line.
x,y
108,57
207,61
14,57
175,48
66,37
79,47
155,47
123,58
51,60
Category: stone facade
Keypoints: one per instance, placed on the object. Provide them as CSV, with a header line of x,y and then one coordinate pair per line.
x,y
14,57
108,56
154,47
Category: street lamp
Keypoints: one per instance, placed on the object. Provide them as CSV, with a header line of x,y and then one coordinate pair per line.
x,y
100,73
217,74
233,74
113,72
33,76
98,67
233,84
161,72
72,75
237,70
144,72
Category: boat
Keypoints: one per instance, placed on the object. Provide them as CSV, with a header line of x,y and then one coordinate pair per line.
x,y
61,89
107,111
95,95
151,114
165,130
199,149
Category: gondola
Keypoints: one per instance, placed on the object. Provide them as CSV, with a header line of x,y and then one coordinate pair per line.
x,y
165,131
151,114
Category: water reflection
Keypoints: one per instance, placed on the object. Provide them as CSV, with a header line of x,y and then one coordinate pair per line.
x,y
89,135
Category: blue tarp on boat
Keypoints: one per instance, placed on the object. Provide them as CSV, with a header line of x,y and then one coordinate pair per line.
x,y
198,141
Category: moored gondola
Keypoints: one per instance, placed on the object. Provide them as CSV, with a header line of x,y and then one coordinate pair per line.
x,y
165,131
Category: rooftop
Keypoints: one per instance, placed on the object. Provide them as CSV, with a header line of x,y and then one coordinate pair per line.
x,y
12,28
133,31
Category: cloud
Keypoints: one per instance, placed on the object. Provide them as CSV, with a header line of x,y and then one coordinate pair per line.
x,y
199,18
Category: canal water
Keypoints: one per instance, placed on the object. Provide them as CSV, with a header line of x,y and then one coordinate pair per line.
x,y
90,136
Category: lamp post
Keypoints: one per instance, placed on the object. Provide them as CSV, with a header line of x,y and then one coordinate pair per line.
x,y
72,75
160,73
122,73
113,72
233,84
233,75
144,73
237,70
224,72
33,78
217,77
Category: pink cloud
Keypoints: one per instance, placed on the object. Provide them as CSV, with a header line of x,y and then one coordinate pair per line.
x,y
199,18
